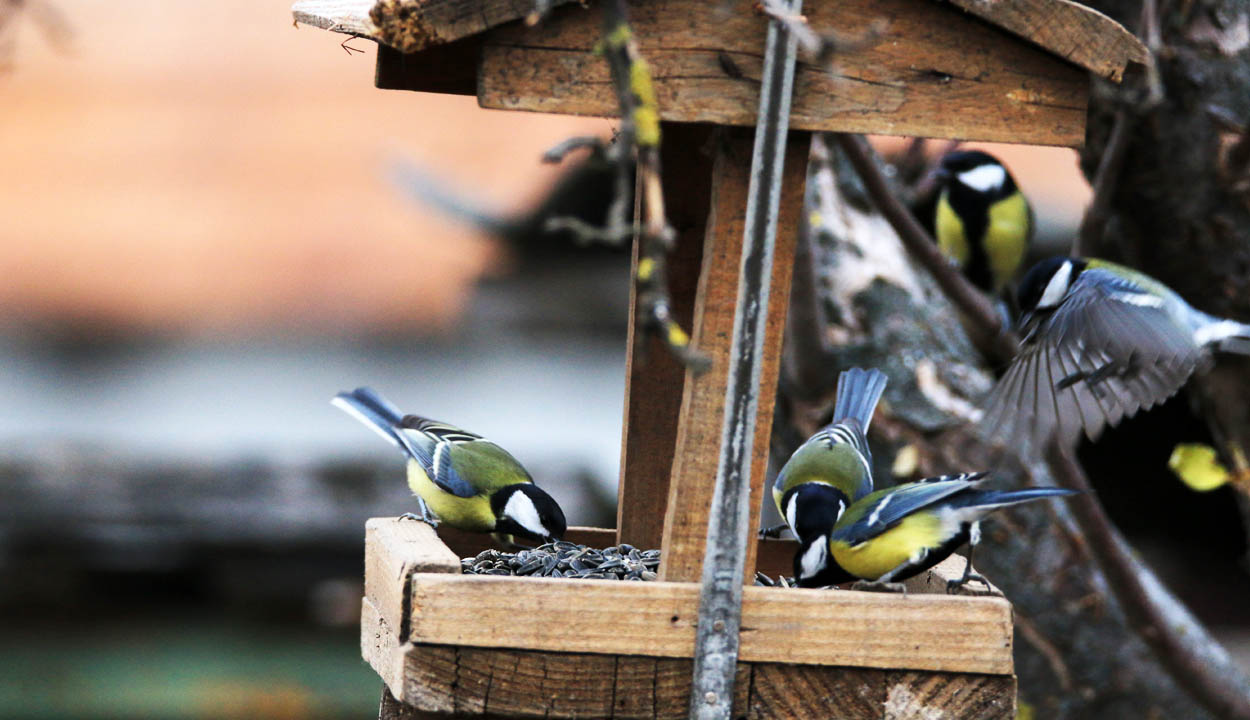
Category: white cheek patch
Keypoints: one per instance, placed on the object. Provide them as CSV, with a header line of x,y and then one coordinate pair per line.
x,y
522,511
792,513
984,178
813,559
1057,287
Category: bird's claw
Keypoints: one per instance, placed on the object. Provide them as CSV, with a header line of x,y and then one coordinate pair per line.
x,y
427,519
774,531
953,585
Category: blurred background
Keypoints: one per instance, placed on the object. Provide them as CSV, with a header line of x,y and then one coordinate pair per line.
x,y
200,246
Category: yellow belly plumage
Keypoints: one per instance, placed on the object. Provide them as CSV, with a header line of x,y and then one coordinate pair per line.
x,y
472,514
891,548
1006,238
950,232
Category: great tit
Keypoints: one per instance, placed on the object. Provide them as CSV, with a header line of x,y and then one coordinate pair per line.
x,y
460,478
1100,342
901,531
982,221
834,467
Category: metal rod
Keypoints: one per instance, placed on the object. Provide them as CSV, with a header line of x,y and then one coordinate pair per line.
x,y
729,525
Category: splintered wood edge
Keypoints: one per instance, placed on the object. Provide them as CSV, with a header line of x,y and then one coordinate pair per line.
x,y
820,627
350,17
1074,32
411,25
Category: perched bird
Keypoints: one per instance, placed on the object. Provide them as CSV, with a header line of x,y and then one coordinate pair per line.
x,y
901,531
833,468
982,221
460,478
1100,342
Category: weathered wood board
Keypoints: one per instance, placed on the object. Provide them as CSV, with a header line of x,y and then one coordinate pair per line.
x,y
1068,29
654,377
701,417
932,71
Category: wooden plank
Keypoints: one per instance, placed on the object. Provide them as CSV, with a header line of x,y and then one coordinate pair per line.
x,y
1077,33
932,71
703,398
950,696
394,550
380,647
915,632
522,683
392,709
810,691
411,25
653,377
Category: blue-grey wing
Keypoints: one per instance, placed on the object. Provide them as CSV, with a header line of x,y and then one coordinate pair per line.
x,y
431,444
1109,350
881,510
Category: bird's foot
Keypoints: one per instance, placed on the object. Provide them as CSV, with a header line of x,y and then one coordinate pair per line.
x,y
879,586
774,531
427,519
953,585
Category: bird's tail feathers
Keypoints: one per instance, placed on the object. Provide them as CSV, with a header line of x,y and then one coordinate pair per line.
x,y
859,391
427,190
370,408
990,499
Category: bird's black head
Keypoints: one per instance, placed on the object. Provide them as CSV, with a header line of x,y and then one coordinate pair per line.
x,y
1046,283
526,510
811,510
977,171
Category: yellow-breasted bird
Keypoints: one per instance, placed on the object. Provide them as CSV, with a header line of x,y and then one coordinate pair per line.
x,y
1100,342
982,221
460,478
901,531
831,470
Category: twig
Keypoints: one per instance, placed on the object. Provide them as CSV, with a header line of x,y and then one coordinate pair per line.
x,y
640,132
1194,659
1109,166
987,329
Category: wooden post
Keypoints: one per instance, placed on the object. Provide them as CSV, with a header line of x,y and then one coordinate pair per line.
x,y
703,399
652,374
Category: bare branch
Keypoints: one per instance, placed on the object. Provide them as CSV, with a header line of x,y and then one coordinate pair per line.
x,y
1109,166
986,329
822,46
1194,659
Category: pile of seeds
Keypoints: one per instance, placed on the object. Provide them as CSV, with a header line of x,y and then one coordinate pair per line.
x,y
567,560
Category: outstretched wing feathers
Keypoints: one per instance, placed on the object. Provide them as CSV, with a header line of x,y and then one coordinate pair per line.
x,y
1108,351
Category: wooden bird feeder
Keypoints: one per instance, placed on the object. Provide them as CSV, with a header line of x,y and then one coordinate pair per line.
x,y
451,644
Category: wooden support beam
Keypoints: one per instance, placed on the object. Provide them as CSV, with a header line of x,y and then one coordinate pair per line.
x,y
394,550
653,377
931,71
703,399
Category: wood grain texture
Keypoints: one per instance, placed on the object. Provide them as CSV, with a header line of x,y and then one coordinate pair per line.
x,y
813,692
934,71
970,696
392,709
915,632
653,376
522,683
1077,33
394,550
701,417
